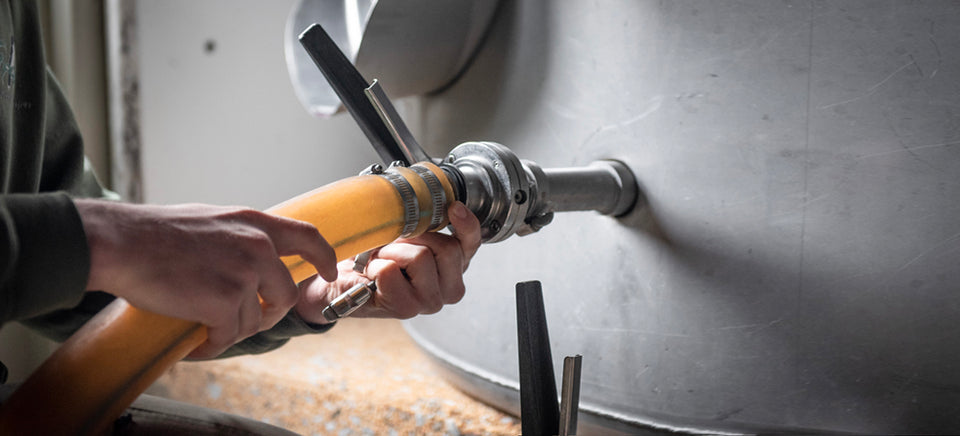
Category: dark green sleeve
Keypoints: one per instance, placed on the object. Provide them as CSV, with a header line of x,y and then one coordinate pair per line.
x,y
47,225
290,326
45,258
60,324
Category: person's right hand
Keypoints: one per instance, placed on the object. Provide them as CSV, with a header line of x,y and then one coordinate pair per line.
x,y
208,264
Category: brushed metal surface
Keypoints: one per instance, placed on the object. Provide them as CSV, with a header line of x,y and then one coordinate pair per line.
x,y
413,47
797,267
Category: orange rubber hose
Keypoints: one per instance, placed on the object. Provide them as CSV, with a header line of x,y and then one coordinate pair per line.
x,y
97,373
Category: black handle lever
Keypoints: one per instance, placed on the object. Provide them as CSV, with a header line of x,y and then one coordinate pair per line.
x,y
349,85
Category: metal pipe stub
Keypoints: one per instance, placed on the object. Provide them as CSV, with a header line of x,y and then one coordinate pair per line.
x,y
492,175
510,196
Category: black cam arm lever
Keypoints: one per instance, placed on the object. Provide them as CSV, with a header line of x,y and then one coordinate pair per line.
x,y
367,103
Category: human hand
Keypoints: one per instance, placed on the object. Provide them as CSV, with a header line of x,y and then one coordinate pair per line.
x,y
414,276
207,264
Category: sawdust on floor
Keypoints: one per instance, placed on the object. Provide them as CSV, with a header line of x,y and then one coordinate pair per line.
x,y
363,377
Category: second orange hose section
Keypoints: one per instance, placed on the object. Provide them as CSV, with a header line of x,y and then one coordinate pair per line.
x,y
105,365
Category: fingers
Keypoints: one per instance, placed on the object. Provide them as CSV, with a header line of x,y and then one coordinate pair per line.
x,y
207,264
244,322
411,271
291,237
466,228
447,258
396,297
278,293
422,274
274,292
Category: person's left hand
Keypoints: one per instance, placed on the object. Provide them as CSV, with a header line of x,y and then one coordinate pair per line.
x,y
414,276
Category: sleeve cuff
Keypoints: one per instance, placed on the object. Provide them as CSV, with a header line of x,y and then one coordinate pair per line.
x,y
52,257
288,327
292,325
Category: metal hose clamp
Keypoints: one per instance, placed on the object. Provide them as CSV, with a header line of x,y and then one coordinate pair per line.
x,y
411,208
437,195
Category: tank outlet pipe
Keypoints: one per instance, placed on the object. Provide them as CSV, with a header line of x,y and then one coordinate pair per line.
x,y
513,196
98,372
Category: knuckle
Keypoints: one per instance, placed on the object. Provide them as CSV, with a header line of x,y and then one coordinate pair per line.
x,y
456,293
386,269
234,283
218,316
446,247
245,214
308,230
288,297
211,309
422,254
405,308
258,242
407,313
222,336
251,328
433,306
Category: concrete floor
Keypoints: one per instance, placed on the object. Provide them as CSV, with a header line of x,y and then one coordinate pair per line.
x,y
364,377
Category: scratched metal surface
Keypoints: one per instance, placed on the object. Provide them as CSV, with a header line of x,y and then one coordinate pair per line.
x,y
799,265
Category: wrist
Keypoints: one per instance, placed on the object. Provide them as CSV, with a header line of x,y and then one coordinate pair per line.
x,y
97,226
319,321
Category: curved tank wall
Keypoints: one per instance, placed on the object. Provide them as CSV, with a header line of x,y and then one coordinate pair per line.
x,y
798,264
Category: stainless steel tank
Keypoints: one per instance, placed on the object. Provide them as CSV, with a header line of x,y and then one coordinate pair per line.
x,y
798,265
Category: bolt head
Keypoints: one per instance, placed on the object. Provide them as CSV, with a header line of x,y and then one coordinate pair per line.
x,y
520,197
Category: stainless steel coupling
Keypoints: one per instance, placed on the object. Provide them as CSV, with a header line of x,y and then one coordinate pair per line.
x,y
510,196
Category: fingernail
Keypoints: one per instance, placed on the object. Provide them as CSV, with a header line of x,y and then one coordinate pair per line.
x,y
459,210
331,275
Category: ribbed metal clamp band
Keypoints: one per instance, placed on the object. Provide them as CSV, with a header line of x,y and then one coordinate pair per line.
x,y
437,195
411,209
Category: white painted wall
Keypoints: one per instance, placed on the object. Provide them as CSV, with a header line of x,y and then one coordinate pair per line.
x,y
220,121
